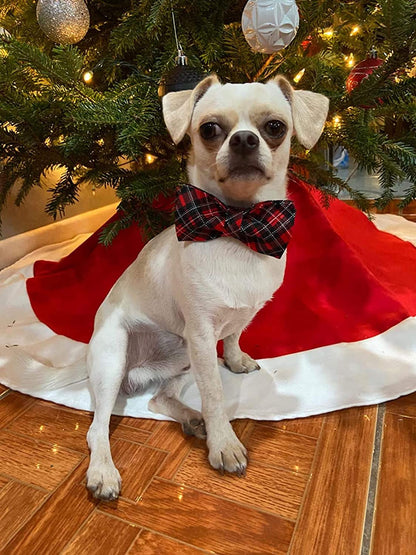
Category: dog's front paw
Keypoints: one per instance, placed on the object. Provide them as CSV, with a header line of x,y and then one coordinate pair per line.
x,y
230,456
242,365
104,481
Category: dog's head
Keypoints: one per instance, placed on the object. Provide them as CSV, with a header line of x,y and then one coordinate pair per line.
x,y
241,133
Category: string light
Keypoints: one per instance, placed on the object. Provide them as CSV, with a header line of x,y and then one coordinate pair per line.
x,y
87,76
299,76
150,158
100,142
336,121
355,30
350,61
328,33
10,127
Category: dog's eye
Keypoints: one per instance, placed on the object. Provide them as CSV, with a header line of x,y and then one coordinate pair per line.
x,y
209,130
275,128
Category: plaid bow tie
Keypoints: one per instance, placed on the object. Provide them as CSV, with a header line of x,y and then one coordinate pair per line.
x,y
264,227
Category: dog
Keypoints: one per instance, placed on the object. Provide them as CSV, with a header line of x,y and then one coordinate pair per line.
x,y
162,320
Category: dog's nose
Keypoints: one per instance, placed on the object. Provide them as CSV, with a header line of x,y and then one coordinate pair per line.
x,y
243,142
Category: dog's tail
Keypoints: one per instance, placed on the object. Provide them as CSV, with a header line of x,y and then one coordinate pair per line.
x,y
29,375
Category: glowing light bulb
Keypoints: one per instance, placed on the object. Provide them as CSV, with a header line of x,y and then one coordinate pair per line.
x,y
329,33
355,30
349,60
150,158
87,76
336,121
299,76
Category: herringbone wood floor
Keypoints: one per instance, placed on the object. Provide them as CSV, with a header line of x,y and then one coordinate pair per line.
x,y
308,489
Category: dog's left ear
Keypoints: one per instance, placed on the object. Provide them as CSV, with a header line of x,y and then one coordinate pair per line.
x,y
179,106
309,111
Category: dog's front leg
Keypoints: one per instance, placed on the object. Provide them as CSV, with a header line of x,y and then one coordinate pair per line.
x,y
106,364
226,452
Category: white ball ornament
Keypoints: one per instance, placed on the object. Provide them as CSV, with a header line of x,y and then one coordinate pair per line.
x,y
270,25
63,21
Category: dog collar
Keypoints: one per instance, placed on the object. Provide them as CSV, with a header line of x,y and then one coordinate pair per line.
x,y
264,227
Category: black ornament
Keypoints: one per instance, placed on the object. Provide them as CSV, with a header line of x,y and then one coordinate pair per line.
x,y
180,78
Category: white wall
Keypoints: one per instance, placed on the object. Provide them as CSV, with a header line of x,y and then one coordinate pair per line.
x,y
31,214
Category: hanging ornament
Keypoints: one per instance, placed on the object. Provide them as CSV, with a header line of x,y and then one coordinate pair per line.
x,y
63,21
312,45
182,77
362,71
270,25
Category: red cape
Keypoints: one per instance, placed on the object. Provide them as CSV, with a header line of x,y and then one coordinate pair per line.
x,y
345,281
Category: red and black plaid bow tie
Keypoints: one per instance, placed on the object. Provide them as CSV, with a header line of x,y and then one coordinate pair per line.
x,y
264,227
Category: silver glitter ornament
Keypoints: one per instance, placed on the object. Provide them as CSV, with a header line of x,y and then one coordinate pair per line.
x,y
270,25
63,21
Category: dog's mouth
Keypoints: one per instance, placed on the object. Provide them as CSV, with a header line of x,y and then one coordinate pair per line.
x,y
246,172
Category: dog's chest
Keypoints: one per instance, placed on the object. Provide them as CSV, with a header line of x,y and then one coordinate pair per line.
x,y
228,274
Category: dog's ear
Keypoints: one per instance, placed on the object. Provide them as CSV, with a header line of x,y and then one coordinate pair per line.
x,y
309,111
179,106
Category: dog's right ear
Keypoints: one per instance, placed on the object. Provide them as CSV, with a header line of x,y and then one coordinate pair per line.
x,y
179,106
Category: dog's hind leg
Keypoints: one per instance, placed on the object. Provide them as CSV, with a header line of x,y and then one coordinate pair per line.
x,y
166,402
106,362
234,358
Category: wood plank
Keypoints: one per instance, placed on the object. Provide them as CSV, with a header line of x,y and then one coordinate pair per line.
x,y
17,503
12,405
333,513
279,448
205,521
395,523
310,426
406,405
102,534
169,437
146,424
35,463
266,488
52,527
3,482
150,543
52,424
137,465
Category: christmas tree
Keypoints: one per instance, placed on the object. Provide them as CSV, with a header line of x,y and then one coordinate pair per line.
x,y
93,109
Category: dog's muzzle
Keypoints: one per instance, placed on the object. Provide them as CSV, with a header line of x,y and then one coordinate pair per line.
x,y
243,160
244,142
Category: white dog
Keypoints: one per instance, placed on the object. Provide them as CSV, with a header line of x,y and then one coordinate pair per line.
x,y
166,313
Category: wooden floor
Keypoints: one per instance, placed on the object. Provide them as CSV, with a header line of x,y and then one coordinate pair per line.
x,y
344,483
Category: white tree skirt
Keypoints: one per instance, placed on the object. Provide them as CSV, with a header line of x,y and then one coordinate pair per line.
x,y
301,384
